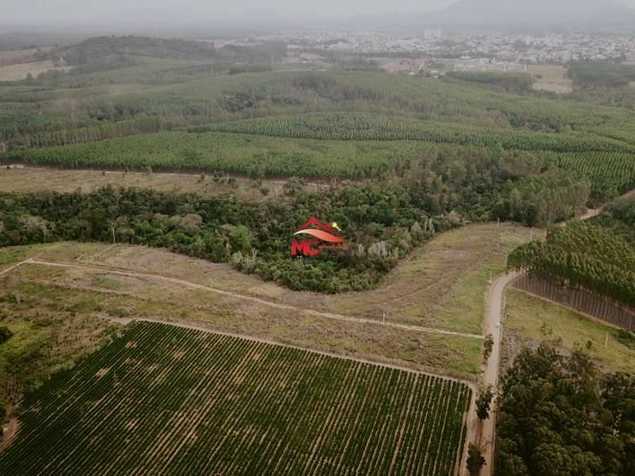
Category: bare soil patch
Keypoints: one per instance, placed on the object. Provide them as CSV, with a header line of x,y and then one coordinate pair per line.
x,y
18,72
38,179
551,78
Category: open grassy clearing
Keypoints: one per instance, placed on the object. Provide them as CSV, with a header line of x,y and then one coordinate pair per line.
x,y
162,399
30,179
531,320
12,255
18,72
108,295
551,78
441,285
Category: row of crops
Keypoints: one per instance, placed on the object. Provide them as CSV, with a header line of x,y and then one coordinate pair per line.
x,y
582,255
610,174
366,126
166,400
251,155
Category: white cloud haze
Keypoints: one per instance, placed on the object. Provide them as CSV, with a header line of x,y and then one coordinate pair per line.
x,y
174,11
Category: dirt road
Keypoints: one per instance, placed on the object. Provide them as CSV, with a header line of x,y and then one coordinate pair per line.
x,y
485,432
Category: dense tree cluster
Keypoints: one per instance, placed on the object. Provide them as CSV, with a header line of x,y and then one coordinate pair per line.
x,y
602,74
509,82
382,224
558,416
545,199
582,255
619,217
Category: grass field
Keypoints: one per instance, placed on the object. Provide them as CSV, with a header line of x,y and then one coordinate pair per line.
x,y
100,293
162,399
551,78
29,179
533,320
18,72
440,285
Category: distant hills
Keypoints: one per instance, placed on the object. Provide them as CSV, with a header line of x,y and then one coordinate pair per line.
x,y
590,15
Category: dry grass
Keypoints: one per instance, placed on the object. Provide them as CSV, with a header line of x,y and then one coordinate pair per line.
x,y
33,179
18,72
532,320
442,285
95,295
9,57
551,78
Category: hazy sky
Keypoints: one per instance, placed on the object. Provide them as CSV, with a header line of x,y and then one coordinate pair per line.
x,y
38,10
101,11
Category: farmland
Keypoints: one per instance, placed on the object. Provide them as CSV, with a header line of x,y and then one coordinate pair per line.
x,y
274,409
218,298
155,323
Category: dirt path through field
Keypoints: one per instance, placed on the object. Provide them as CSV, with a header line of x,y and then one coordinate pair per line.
x,y
286,307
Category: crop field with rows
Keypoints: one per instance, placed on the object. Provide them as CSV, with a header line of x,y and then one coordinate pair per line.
x,y
251,155
161,399
610,174
364,126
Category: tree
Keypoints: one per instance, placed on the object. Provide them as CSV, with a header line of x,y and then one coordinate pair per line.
x,y
484,403
475,460
5,334
488,345
558,415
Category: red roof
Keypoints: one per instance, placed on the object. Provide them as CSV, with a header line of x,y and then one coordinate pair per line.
x,y
315,224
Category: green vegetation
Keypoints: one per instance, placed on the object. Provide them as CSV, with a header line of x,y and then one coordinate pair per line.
x,y
257,408
558,415
619,217
383,221
534,320
509,82
602,75
174,105
610,175
255,156
548,198
582,255
254,237
360,126
192,92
